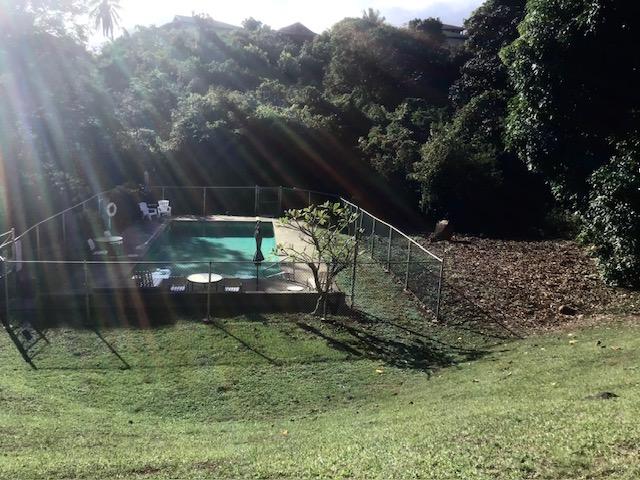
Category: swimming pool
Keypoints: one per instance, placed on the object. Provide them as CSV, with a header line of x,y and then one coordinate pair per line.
x,y
230,245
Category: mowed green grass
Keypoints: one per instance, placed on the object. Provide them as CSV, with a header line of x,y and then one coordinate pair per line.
x,y
387,395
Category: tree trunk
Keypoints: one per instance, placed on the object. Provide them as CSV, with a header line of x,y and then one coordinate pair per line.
x,y
321,305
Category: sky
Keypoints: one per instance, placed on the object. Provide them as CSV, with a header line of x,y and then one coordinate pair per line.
x,y
317,15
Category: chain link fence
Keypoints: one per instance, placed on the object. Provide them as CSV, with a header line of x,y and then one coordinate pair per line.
x,y
417,269
49,292
239,201
51,275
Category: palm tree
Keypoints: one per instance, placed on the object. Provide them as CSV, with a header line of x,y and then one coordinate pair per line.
x,y
373,16
105,13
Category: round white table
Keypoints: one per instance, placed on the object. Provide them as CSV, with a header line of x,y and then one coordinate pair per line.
x,y
295,288
203,278
112,240
114,245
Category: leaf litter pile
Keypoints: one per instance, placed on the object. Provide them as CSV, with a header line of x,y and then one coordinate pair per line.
x,y
525,285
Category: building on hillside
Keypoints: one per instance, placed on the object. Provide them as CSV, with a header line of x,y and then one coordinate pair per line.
x,y
454,36
298,33
183,21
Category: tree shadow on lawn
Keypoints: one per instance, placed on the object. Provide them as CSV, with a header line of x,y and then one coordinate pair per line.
x,y
246,345
89,347
366,336
403,342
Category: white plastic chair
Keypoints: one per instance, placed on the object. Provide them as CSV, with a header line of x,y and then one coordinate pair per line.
x,y
163,208
147,212
92,247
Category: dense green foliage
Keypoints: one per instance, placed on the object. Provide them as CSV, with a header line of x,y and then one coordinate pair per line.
x,y
252,106
465,172
194,105
431,27
612,219
534,104
54,125
458,170
575,75
491,27
393,145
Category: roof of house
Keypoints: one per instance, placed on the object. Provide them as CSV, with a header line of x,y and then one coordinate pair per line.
x,y
454,35
452,27
297,30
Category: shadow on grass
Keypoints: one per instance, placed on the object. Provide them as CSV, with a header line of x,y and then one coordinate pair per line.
x,y
226,331
364,335
396,331
80,333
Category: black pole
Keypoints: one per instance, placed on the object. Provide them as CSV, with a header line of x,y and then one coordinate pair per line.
x,y
257,276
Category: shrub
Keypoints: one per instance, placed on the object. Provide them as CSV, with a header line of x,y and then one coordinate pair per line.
x,y
459,180
466,176
612,219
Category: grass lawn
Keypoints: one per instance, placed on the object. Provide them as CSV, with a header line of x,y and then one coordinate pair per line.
x,y
388,395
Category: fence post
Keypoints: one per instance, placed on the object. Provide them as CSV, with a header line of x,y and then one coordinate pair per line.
x,y
440,279
5,277
255,206
13,244
406,275
373,236
308,198
280,200
257,276
163,197
87,299
204,201
5,321
209,295
38,242
64,229
355,261
389,250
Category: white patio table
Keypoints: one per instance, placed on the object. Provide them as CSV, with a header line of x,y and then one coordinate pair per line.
x,y
203,278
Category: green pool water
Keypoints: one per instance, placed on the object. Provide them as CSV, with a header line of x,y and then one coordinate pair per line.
x,y
230,245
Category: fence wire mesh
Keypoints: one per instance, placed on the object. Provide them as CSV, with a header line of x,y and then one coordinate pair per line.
x,y
49,293
64,238
419,271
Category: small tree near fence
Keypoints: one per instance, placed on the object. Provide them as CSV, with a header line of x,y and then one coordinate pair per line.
x,y
328,248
